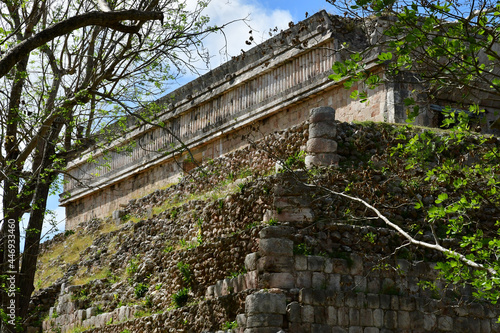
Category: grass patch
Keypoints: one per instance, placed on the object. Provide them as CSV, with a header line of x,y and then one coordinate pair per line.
x,y
53,261
82,278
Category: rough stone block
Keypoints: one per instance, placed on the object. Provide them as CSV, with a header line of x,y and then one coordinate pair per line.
x,y
251,261
227,286
495,325
277,280
385,301
357,265
371,330
241,319
239,283
300,263
321,145
353,317
218,289
328,266
263,330
262,302
445,323
318,280
315,263
289,202
430,322
378,318
335,299
360,283
355,329
264,320
417,320
320,328
304,279
299,327
251,280
276,232
306,296
338,330
321,159
485,326
331,315
327,130
209,293
276,247
340,266
394,302
293,312
81,315
407,303
275,264
308,314
391,319
334,282
366,317
404,320
351,300
372,301
346,282
319,315
118,214
343,316
476,310
294,215
321,114
123,313
373,285
92,311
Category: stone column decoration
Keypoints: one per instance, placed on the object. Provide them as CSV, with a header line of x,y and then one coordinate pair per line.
x,y
321,145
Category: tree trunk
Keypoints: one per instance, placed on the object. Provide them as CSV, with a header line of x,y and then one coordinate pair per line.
x,y
33,233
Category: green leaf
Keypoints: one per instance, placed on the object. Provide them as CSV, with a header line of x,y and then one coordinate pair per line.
x,y
385,56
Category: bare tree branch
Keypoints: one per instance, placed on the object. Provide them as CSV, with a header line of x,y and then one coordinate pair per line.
x,y
109,19
403,233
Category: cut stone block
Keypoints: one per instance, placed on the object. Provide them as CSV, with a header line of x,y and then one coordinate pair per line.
x,y
275,264
276,247
322,159
327,130
321,114
267,303
321,145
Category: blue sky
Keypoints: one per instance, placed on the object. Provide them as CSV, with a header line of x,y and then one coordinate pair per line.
x,y
262,15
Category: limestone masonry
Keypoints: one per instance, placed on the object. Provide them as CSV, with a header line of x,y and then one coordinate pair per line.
x,y
272,254
271,87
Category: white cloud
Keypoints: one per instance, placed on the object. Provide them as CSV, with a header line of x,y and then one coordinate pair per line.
x,y
259,19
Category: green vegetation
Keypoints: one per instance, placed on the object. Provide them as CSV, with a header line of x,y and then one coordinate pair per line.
x,y
439,45
302,249
140,290
185,271
180,298
133,265
228,325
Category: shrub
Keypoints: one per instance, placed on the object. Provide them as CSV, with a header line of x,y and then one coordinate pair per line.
x,y
180,298
185,272
140,290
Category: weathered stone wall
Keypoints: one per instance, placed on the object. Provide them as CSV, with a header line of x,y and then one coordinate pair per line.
x,y
352,289
269,91
309,267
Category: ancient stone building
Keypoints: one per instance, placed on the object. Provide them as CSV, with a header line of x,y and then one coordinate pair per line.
x,y
272,86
